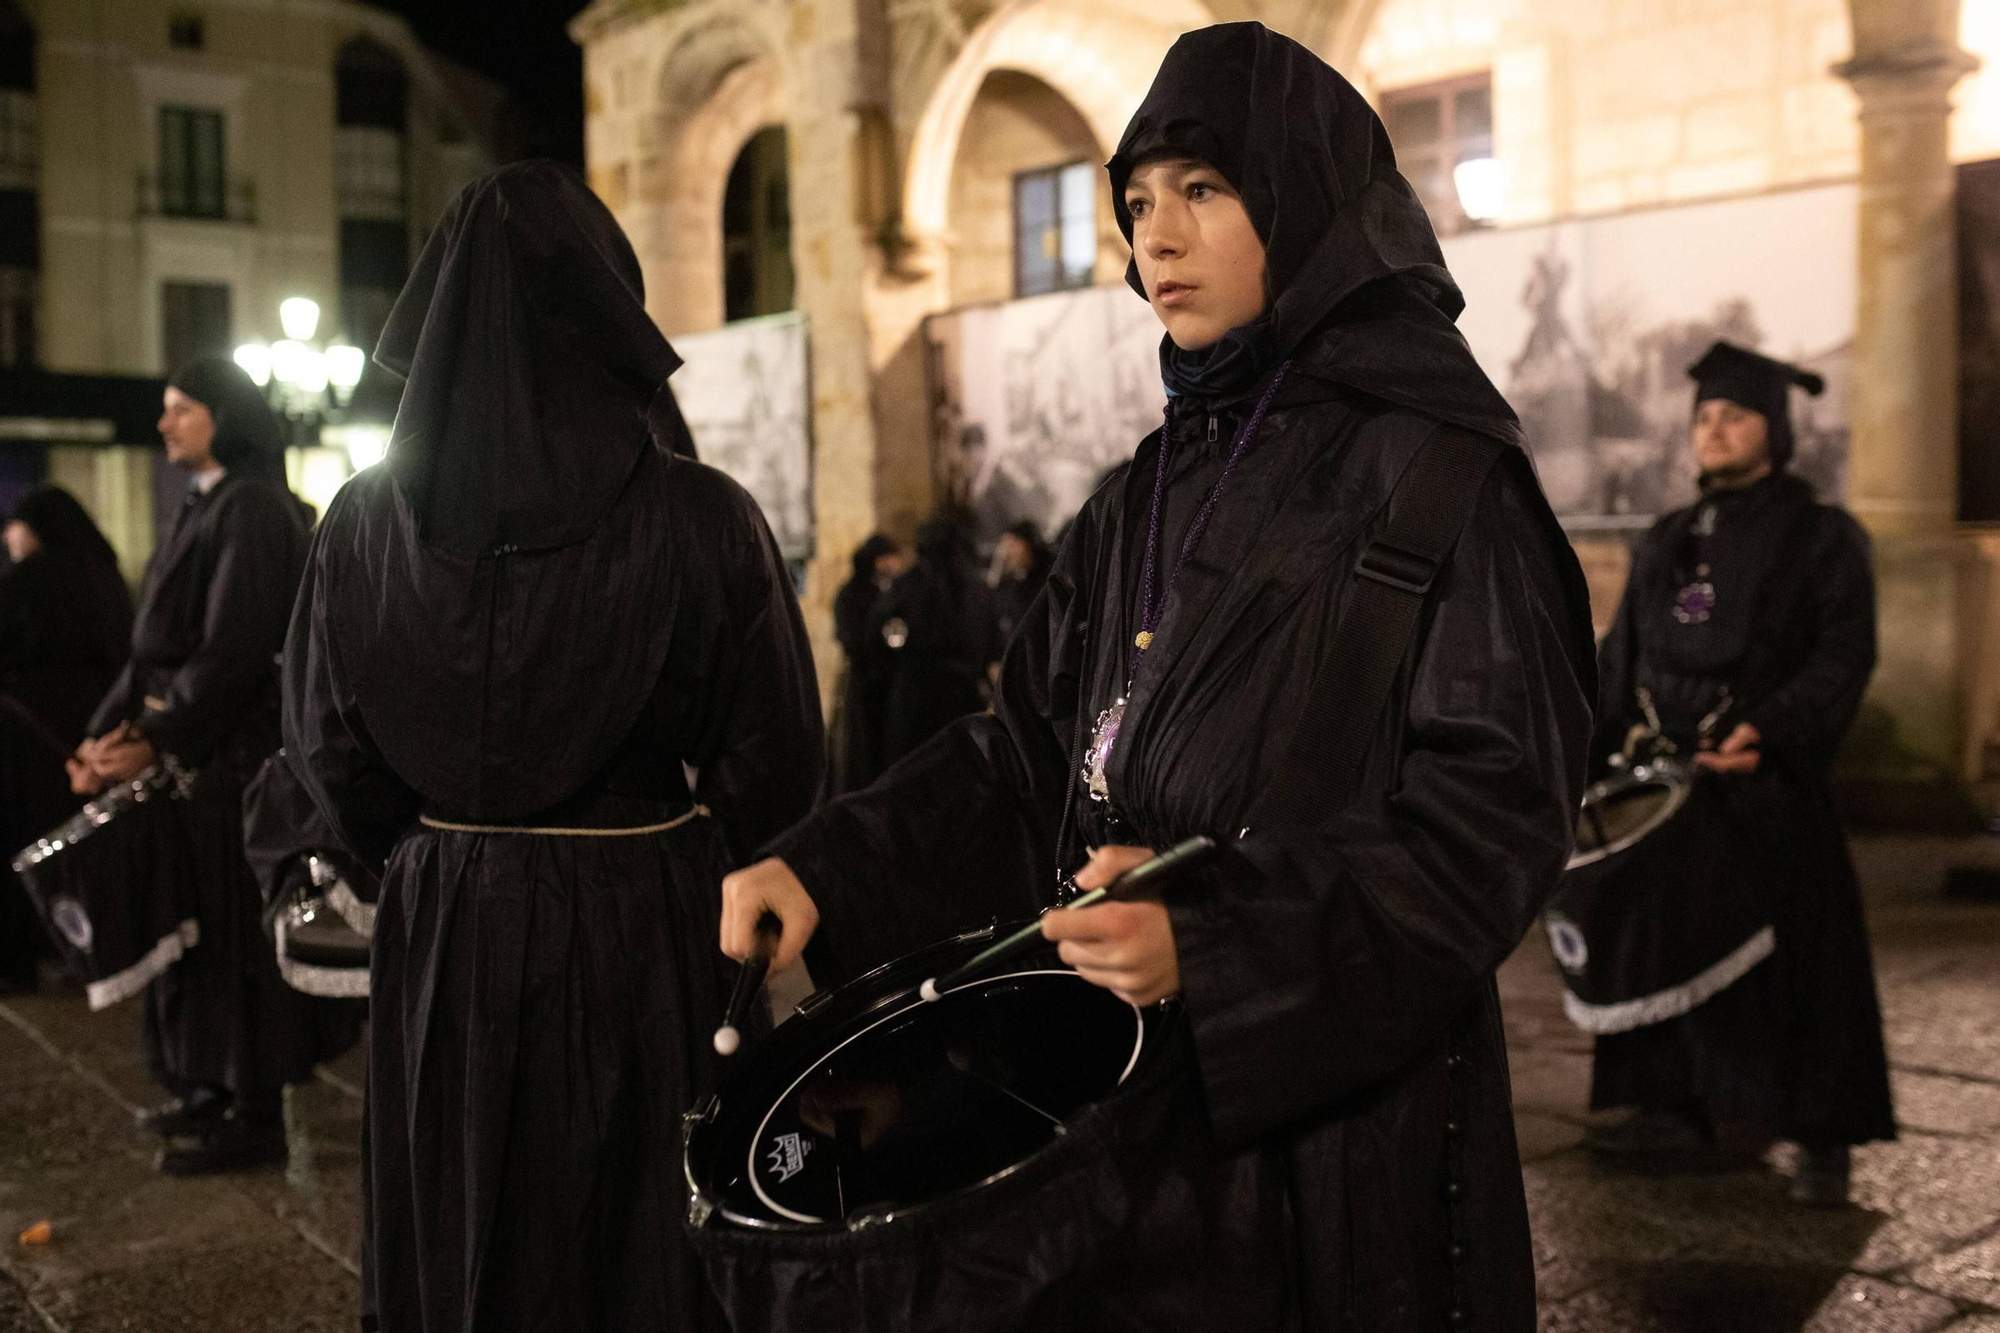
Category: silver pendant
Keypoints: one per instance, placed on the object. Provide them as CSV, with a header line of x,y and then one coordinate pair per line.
x,y
1102,737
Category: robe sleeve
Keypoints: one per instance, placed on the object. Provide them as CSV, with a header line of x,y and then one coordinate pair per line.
x,y
1319,960
117,705
1806,716
326,742
243,626
759,764
962,831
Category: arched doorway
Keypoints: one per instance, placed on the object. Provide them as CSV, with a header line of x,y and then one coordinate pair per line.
x,y
757,274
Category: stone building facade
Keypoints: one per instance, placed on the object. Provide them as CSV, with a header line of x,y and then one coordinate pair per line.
x,y
906,120
188,164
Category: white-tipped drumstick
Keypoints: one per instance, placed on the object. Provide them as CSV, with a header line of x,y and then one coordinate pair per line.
x,y
729,1037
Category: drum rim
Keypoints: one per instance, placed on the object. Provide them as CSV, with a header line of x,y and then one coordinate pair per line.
x,y
1675,778
912,1001
701,1121
101,809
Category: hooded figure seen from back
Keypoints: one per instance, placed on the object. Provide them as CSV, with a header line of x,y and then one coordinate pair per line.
x,y
521,634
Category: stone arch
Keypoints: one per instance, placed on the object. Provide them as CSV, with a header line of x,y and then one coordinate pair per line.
x,y
1099,57
1016,123
718,86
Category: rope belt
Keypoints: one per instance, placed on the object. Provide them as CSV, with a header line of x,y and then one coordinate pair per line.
x,y
697,812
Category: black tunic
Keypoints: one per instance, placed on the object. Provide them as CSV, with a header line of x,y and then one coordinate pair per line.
x,y
538,614
65,622
1339,979
542,1004
202,686
1795,1048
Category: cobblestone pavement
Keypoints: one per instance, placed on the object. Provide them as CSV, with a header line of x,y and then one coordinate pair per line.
x,y
1674,1249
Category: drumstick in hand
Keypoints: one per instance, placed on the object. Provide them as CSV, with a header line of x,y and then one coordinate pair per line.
x,y
1159,871
729,1037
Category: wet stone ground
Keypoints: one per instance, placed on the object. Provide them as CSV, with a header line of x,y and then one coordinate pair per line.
x,y
1675,1247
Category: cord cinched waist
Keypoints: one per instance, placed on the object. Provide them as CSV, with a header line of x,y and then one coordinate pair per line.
x,y
640,831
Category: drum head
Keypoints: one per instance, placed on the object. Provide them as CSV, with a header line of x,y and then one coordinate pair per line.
x,y
881,1103
1620,811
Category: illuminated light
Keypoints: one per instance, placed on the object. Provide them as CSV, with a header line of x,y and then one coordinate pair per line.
x,y
300,317
344,365
312,372
288,361
367,444
1482,188
255,358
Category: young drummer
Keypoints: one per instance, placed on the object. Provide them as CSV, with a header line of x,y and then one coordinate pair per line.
x,y
1336,969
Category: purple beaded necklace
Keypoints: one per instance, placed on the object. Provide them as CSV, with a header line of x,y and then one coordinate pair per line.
x,y
1153,596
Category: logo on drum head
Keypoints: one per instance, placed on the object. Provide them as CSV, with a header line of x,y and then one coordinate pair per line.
x,y
788,1158
68,916
1571,949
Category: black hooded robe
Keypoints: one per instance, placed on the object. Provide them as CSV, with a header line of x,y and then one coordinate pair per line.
x,y
65,626
518,634
202,686
1794,1049
1338,980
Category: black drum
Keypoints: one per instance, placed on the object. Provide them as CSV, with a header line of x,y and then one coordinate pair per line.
x,y
322,933
881,1162
1621,810
110,883
1663,905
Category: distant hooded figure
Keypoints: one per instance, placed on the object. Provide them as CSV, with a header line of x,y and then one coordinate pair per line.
x,y
1348,1159
222,1033
1746,636
1023,562
65,627
855,736
939,633
517,636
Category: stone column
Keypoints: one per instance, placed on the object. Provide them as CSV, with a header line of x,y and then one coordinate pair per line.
x,y
1904,403
840,188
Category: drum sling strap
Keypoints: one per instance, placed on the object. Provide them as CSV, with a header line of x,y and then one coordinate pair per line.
x,y
1428,509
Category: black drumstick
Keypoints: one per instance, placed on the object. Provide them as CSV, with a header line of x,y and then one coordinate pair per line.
x,y
749,981
1150,874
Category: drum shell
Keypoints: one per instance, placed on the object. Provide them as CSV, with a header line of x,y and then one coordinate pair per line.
x,y
133,878
1027,1249
1648,933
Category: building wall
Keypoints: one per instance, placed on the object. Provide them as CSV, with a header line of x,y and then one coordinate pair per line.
x,y
104,68
1603,105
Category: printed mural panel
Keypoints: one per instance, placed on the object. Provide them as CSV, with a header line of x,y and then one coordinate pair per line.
x,y
1588,327
746,393
1034,400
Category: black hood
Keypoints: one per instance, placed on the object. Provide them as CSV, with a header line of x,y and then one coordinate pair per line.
x,y
536,379
1349,251
249,440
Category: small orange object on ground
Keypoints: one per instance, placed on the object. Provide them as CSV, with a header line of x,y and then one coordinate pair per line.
x,y
38,1234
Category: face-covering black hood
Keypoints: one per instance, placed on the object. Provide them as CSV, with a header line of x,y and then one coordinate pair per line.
x,y
1349,251
535,377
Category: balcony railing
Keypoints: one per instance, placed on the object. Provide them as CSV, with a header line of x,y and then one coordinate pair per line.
x,y
204,199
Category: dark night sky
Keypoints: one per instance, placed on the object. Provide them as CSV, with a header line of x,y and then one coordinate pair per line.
x,y
523,45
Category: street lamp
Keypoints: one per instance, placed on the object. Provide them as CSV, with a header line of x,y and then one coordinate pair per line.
x,y
308,385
